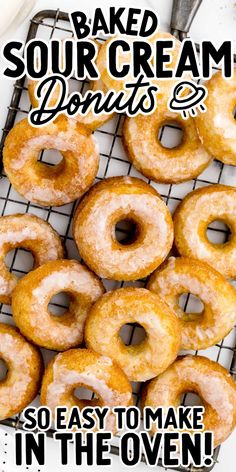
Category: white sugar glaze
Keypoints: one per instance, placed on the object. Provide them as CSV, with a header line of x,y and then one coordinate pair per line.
x,y
33,232
79,280
44,194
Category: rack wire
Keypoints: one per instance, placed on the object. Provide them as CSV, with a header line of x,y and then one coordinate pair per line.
x,y
48,24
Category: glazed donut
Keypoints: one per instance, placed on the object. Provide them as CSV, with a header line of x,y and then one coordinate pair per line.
x,y
206,378
183,275
32,233
216,127
159,349
32,296
169,165
113,200
191,219
85,368
25,367
165,86
44,184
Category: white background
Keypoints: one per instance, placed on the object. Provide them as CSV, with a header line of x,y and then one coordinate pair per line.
x,y
216,20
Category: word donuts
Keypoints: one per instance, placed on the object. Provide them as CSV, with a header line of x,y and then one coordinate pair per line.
x,y
206,378
31,233
183,275
134,305
84,368
217,127
152,159
24,372
44,184
34,292
114,200
191,219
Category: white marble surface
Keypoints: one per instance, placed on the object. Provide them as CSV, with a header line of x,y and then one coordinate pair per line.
x,y
215,20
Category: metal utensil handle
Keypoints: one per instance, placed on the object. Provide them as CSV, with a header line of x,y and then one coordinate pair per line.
x,y
183,13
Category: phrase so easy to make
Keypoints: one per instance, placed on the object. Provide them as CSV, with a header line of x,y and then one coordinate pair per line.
x,y
181,439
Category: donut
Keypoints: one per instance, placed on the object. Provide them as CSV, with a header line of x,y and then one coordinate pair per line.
x,y
217,127
206,378
191,219
118,84
182,275
90,120
32,296
85,368
24,371
113,200
169,165
31,233
160,347
44,184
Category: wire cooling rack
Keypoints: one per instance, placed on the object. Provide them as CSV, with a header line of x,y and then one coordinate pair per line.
x,y
48,24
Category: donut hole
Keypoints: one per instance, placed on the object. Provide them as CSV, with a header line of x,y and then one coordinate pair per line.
x,y
191,305
3,370
19,261
191,399
170,135
132,334
84,393
50,157
127,231
218,232
59,304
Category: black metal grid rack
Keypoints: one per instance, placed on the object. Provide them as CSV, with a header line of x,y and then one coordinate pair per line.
x,y
113,162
